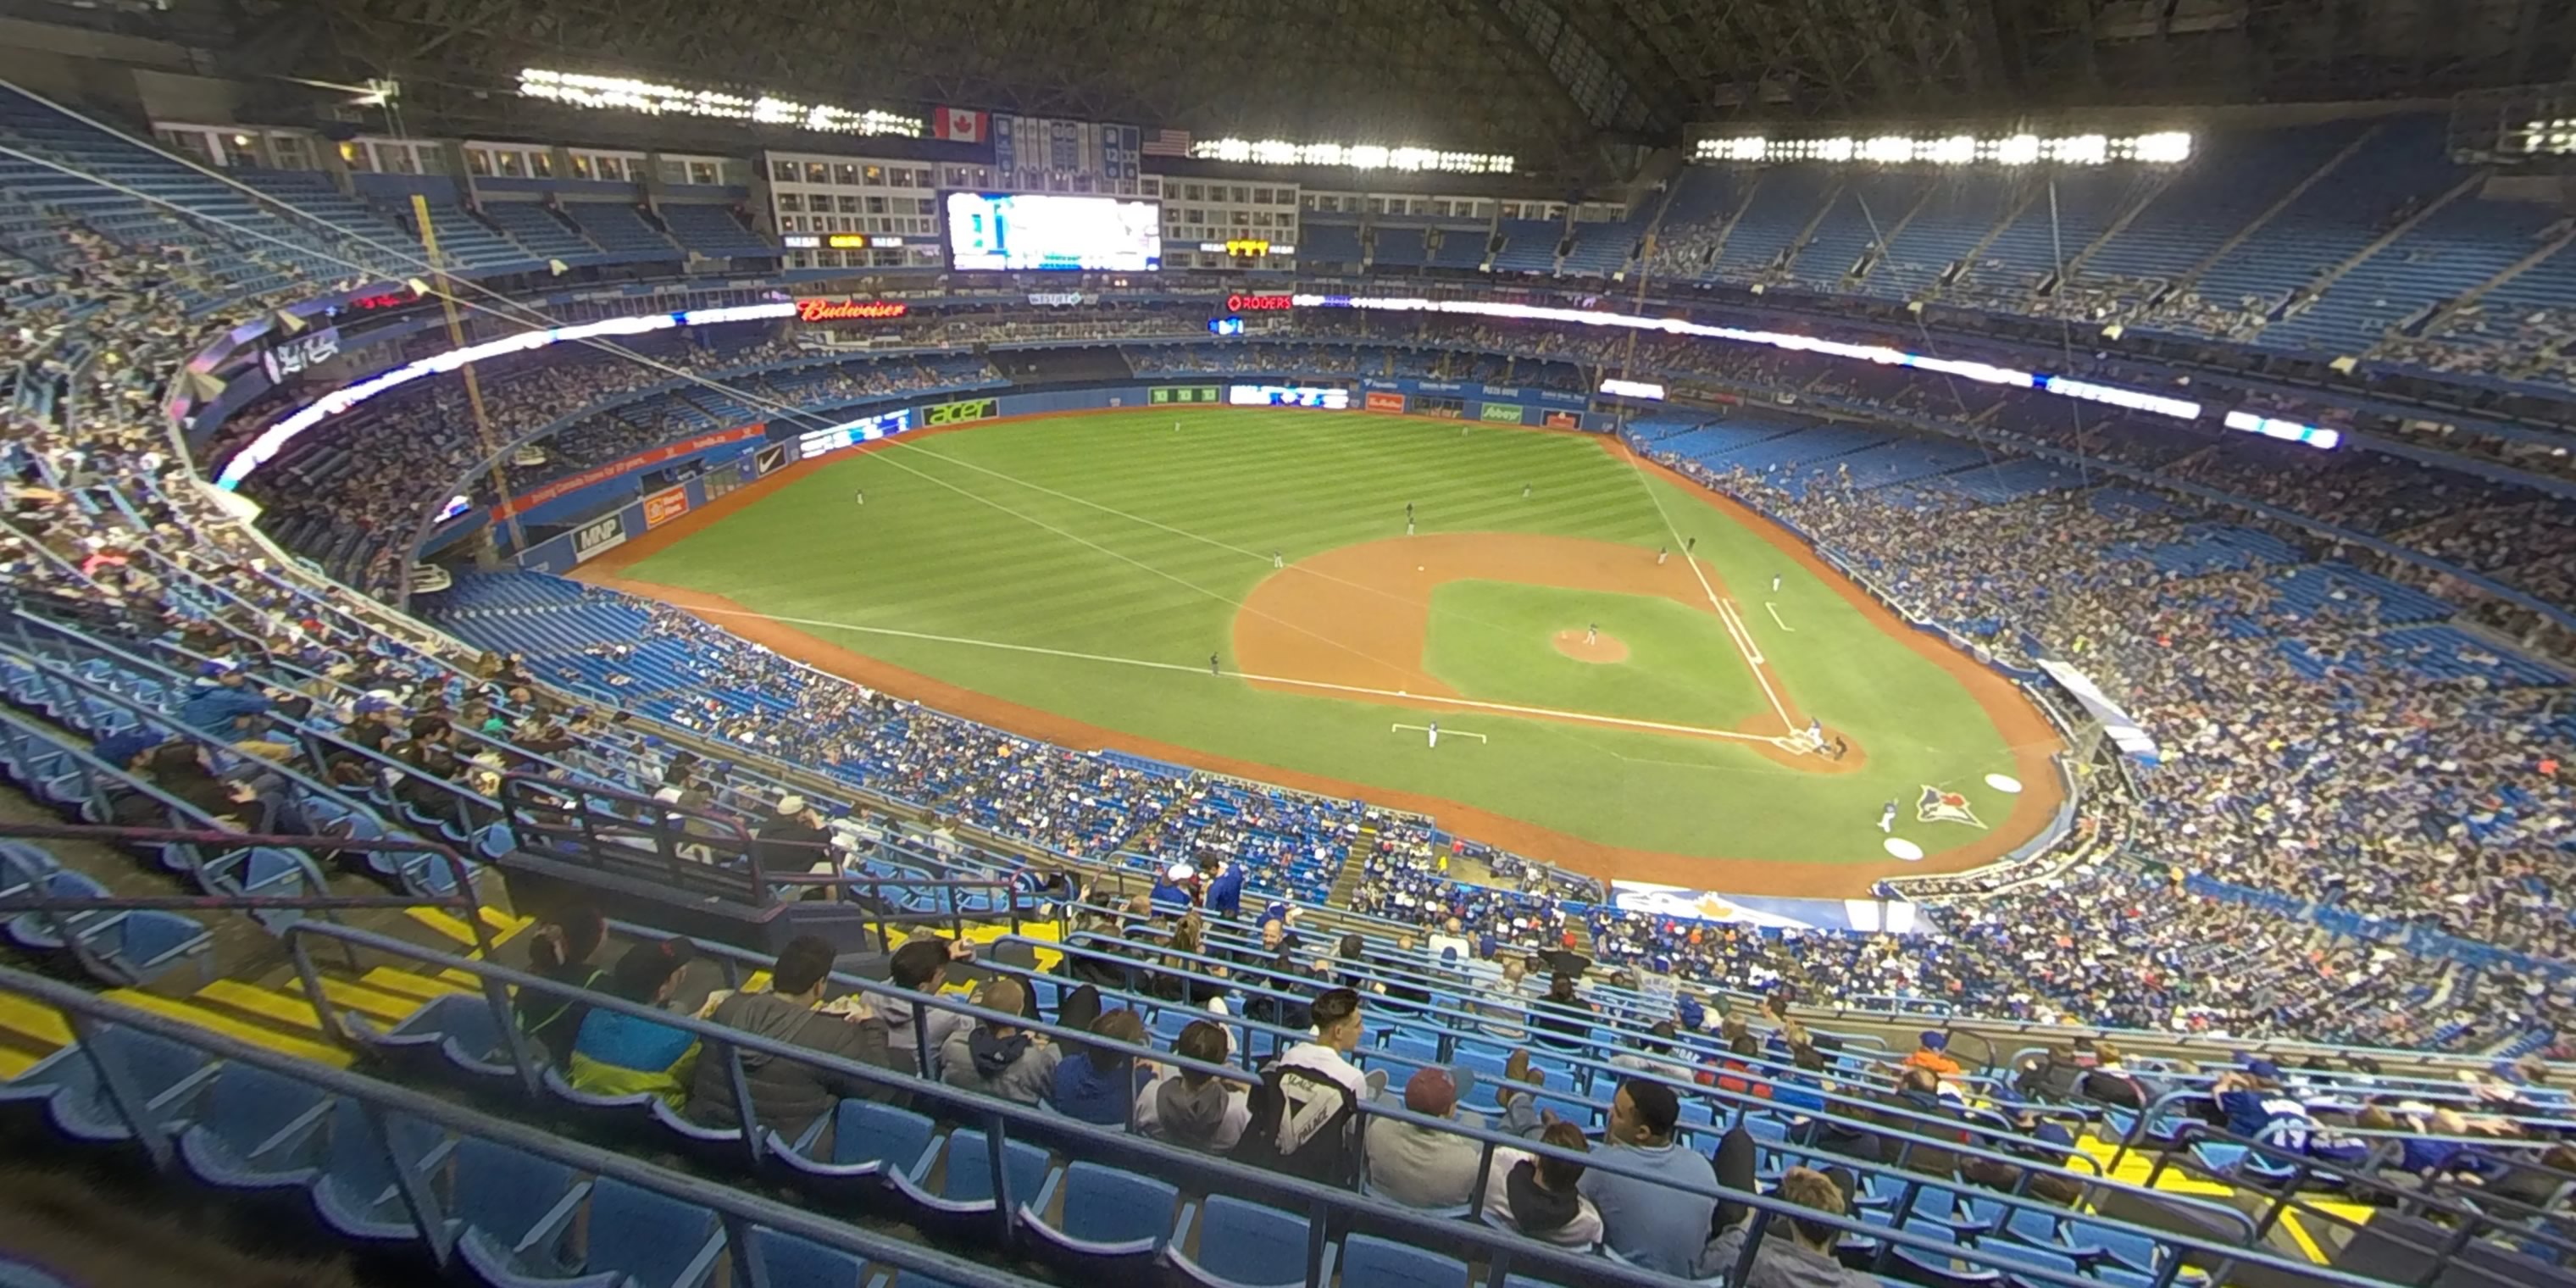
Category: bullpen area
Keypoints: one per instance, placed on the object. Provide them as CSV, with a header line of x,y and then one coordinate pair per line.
x,y
1302,596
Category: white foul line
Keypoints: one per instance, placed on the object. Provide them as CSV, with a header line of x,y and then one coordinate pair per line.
x,y
1740,633
1735,629
1775,616
1580,717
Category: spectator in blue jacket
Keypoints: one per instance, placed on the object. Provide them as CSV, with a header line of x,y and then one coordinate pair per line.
x,y
224,704
1225,893
1098,1085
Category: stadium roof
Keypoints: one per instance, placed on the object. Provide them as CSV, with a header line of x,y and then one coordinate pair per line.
x,y
1558,83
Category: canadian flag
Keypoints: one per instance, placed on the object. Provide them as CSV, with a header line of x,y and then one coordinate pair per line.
x,y
957,124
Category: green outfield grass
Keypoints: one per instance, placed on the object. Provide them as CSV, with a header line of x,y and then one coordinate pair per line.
x,y
1109,551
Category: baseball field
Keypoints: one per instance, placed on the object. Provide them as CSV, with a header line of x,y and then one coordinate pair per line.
x,y
1299,596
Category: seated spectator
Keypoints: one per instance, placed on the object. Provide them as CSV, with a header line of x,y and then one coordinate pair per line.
x,y
921,966
1562,1019
2110,1081
1422,1166
615,1054
1305,1115
560,949
1193,1109
226,705
1098,1085
1933,1053
1648,1221
1796,1252
792,841
1506,1002
789,1095
2258,1109
1000,1059
1652,1052
1541,1197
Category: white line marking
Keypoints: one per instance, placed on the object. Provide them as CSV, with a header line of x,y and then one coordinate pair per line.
x,y
1752,656
1775,616
1740,633
1508,708
1454,733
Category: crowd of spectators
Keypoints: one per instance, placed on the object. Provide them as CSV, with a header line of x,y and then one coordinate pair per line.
x,y
2393,785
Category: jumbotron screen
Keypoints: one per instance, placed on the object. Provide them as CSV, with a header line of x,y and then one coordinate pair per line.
x,y
1015,232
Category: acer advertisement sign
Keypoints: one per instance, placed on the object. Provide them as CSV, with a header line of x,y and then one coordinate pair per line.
x,y
819,310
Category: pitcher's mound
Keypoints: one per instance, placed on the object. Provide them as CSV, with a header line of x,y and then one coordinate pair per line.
x,y
1603,648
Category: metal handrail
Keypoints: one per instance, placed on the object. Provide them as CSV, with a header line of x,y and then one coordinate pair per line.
x,y
2468,1219
1320,1201
740,1211
464,900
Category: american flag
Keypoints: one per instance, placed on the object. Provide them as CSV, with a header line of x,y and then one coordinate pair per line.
x,y
1166,143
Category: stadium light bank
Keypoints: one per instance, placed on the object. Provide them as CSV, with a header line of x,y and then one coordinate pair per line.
x,y
2165,148
624,93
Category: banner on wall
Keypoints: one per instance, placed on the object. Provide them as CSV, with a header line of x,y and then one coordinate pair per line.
x,y
1506,412
958,413
534,497
598,537
1564,420
665,505
1184,394
769,458
1764,912
1385,402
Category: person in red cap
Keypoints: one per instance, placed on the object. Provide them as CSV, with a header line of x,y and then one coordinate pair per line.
x,y
1419,1165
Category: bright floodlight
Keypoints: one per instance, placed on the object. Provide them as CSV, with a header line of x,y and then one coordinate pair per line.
x,y
623,93
1358,156
2020,149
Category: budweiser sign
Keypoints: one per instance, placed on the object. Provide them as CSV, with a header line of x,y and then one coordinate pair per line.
x,y
849,310
1259,303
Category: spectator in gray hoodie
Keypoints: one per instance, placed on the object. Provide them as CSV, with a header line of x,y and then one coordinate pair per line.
x,y
921,966
789,1095
1000,1060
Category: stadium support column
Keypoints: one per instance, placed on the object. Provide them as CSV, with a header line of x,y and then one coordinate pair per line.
x,y
492,448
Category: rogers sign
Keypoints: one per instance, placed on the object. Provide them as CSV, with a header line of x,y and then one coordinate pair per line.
x,y
849,310
1260,303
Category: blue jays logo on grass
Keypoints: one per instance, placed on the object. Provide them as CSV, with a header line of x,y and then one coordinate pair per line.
x,y
1937,806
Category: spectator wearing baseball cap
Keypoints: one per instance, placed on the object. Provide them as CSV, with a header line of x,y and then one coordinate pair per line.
x,y
1933,1053
793,840
1425,1166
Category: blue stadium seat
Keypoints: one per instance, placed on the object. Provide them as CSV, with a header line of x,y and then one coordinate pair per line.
x,y
965,1187
256,1130
868,1141
1113,1223
1366,1261
631,1238
518,1205
355,1195
791,1262
1242,1245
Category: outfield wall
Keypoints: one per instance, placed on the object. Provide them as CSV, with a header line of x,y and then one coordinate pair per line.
x,y
606,492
